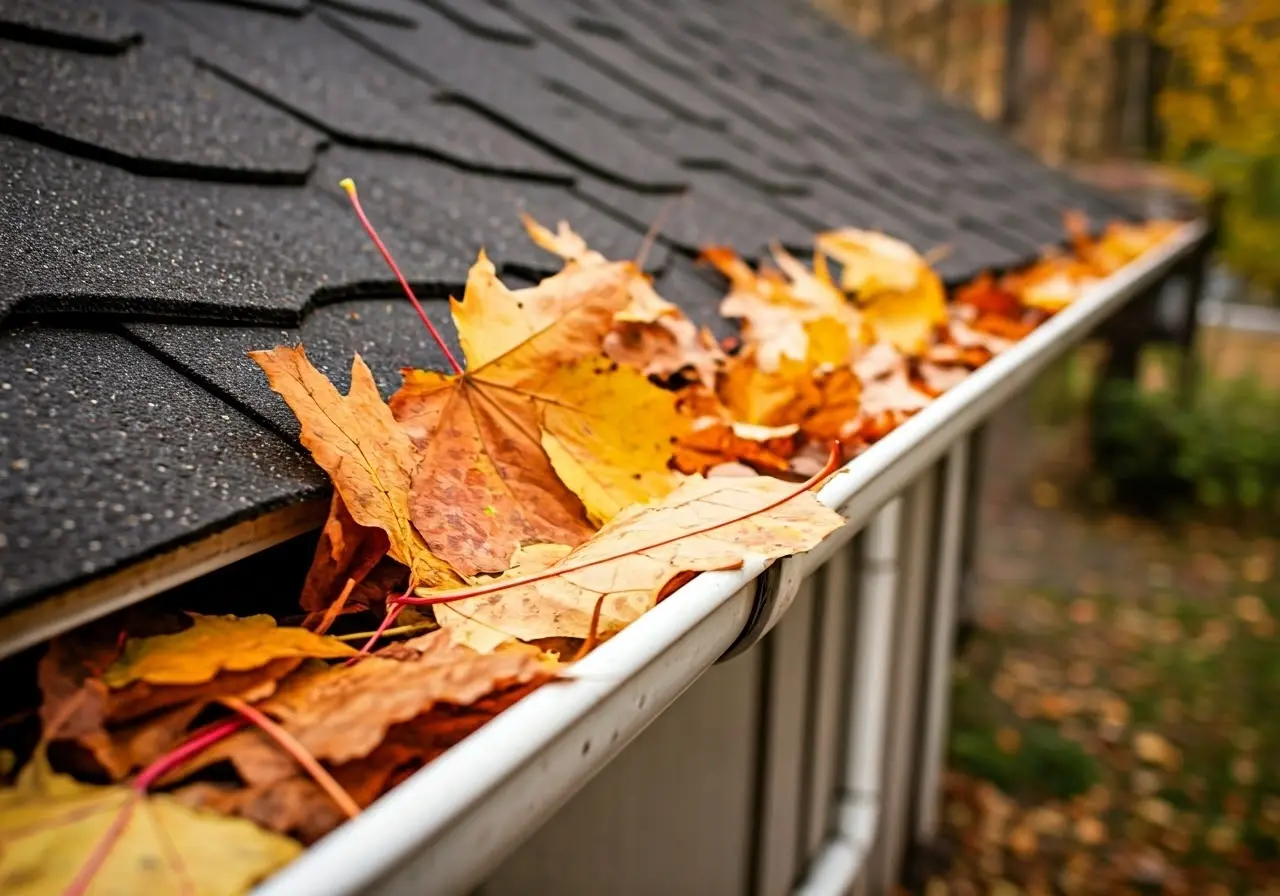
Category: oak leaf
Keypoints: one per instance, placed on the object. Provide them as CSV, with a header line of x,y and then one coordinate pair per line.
x,y
216,644
902,297
343,713
486,479
561,606
360,445
164,847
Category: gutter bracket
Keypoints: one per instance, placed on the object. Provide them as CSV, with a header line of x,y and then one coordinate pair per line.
x,y
775,591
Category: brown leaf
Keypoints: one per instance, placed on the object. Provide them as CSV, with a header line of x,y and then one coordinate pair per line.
x,y
342,713
360,445
820,402
712,441
123,730
346,551
789,316
562,605
513,449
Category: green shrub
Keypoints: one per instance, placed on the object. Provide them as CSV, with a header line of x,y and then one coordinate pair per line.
x,y
1218,452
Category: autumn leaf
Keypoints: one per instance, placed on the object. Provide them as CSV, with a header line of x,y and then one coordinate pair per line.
x,y
278,796
788,314
342,713
345,553
52,826
886,383
215,644
818,401
360,445
514,448
649,333
561,606
902,297
713,441
126,728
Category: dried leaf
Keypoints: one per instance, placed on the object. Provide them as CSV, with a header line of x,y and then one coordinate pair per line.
x,y
125,729
712,441
51,825
342,713
902,297
650,333
215,644
819,402
792,315
562,606
366,453
487,481
346,551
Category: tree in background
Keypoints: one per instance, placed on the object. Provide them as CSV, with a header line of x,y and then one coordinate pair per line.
x,y
1213,103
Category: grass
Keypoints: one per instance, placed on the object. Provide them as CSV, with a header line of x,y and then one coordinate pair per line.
x,y
1103,745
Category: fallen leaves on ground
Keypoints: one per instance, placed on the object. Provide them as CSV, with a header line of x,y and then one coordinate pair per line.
x,y
597,452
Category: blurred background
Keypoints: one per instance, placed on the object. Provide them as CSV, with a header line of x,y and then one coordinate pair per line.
x,y
1117,699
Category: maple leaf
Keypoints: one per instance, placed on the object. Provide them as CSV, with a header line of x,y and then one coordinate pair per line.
x,y
650,333
703,525
215,644
514,448
163,847
343,713
360,445
902,297
791,314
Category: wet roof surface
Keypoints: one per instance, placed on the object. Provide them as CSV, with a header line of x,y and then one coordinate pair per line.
x,y
169,200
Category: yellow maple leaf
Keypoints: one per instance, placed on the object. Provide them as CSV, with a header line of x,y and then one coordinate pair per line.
x,y
53,826
216,644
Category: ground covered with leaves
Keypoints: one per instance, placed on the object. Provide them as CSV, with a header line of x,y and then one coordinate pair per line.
x,y
1115,727
490,525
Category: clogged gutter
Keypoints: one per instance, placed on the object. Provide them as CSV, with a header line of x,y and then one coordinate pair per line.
x,y
489,528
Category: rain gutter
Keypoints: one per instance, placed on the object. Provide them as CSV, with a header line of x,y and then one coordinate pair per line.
x,y
448,826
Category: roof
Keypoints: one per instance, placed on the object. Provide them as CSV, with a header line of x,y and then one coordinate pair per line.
x,y
170,200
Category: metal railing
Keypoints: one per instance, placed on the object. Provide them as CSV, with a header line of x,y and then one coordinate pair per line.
x,y
809,762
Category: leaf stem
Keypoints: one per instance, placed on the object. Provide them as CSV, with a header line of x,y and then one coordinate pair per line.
x,y
197,743
350,186
300,755
410,629
102,849
393,611
444,597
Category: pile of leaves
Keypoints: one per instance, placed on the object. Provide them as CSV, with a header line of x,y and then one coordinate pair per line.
x,y
591,452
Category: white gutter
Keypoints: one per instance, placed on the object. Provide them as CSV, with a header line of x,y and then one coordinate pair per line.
x,y
447,826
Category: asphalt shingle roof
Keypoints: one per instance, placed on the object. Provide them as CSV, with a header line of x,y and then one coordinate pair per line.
x,y
169,200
